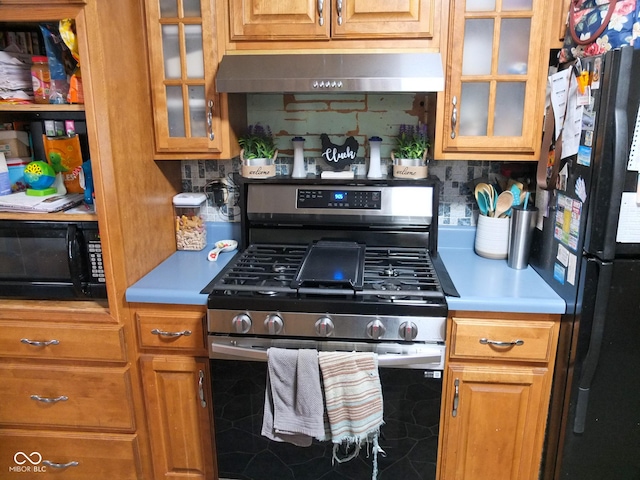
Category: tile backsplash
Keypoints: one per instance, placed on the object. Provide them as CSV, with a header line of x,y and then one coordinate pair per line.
x,y
457,205
340,115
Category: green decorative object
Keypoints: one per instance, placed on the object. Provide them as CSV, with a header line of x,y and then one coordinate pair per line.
x,y
39,176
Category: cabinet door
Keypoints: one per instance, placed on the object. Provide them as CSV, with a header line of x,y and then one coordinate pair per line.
x,y
496,77
382,19
282,20
493,422
559,12
178,399
262,20
183,47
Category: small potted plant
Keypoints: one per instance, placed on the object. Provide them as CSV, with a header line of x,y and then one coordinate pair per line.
x,y
410,154
258,152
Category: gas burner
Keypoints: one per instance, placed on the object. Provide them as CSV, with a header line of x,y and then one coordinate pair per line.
x,y
390,290
388,272
279,267
270,286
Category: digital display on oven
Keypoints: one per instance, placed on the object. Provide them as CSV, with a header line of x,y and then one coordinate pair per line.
x,y
339,199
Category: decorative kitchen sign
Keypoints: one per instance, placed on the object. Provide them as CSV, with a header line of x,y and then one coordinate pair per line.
x,y
339,157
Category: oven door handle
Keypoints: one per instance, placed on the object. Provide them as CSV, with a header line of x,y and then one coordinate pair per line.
x,y
389,360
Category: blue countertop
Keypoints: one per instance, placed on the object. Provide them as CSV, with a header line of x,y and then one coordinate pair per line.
x,y
490,285
483,284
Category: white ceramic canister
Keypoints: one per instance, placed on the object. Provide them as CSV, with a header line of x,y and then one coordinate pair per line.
x,y
492,237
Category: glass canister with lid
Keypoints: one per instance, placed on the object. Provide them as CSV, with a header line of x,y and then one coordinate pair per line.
x,y
191,233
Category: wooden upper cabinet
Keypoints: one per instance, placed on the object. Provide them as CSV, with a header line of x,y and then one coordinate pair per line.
x,y
559,11
264,20
496,74
184,53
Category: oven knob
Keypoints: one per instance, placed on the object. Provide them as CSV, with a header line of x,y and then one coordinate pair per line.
x,y
241,323
324,326
273,324
376,329
408,331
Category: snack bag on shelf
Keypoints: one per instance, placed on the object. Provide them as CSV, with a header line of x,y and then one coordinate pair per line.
x,y
65,156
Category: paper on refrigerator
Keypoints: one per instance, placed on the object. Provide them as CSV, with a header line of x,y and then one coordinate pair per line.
x,y
567,112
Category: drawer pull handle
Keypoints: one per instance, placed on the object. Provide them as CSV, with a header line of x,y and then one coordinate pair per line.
x,y
515,343
36,343
162,333
59,465
61,398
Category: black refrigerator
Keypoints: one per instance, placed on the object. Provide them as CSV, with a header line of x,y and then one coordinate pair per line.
x,y
587,247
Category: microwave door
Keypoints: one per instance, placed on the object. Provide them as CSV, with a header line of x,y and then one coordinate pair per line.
x,y
76,257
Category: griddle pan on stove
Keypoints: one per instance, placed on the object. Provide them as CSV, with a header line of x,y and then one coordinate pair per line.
x,y
329,264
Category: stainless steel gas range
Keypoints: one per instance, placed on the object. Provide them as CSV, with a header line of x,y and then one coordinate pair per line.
x,y
340,266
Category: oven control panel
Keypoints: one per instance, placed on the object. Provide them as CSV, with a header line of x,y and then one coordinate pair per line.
x,y
339,198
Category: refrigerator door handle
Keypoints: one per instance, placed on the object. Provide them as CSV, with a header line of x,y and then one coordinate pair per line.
x,y
590,363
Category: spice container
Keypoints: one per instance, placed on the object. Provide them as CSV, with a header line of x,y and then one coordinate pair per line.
x,y
191,233
40,79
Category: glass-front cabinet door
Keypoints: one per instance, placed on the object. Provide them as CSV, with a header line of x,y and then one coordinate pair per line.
x,y
183,53
495,87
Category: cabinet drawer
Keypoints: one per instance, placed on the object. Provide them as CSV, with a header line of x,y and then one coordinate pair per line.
x,y
68,397
521,340
173,329
62,341
69,456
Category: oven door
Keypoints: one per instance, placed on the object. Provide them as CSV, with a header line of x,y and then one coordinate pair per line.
x,y
411,393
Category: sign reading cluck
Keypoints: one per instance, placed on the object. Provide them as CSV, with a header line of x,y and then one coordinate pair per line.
x,y
339,157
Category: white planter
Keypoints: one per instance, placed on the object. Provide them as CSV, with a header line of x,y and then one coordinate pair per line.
x,y
258,167
410,168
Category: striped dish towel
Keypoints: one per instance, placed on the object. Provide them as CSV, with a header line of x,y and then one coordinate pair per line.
x,y
353,399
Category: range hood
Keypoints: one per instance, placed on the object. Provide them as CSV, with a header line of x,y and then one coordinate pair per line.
x,y
331,73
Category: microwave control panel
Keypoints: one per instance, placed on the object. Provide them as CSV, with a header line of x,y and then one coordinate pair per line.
x,y
95,257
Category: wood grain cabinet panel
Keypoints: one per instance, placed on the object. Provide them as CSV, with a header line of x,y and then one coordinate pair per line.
x,y
72,456
178,411
499,415
259,20
180,329
496,71
184,52
46,341
496,395
501,339
66,397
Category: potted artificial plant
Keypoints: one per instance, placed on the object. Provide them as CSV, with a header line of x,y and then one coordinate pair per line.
x,y
257,145
410,153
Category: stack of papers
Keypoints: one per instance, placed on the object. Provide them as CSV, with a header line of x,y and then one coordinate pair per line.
x,y
15,76
21,202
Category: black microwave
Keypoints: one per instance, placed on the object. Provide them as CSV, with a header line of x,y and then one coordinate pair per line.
x,y
51,260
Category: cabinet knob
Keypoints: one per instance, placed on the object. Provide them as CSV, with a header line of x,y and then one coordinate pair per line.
x,y
339,9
